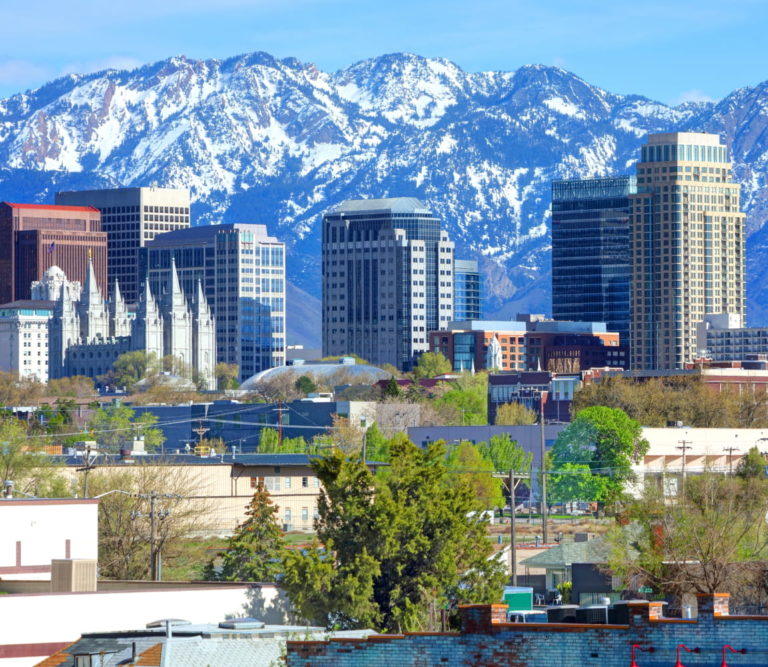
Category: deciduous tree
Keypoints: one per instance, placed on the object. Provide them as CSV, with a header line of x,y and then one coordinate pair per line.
x,y
431,364
514,414
116,426
606,440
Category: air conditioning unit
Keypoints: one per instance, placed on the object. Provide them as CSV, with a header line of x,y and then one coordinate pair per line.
x,y
70,575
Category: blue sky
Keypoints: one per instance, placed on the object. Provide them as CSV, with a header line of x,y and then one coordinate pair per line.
x,y
671,50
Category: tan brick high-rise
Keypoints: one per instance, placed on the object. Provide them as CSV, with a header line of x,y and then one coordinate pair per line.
x,y
687,242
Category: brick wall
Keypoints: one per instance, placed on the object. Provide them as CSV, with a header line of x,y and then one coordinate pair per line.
x,y
487,641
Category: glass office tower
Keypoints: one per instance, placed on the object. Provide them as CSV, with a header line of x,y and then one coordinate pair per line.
x,y
590,251
242,272
467,288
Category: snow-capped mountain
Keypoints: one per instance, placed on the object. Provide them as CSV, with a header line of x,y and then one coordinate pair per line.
x,y
259,139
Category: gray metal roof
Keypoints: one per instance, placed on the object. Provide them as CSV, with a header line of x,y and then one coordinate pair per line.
x,y
206,234
567,553
195,645
389,205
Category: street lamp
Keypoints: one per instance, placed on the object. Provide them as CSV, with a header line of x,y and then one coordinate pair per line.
x,y
732,650
688,650
637,647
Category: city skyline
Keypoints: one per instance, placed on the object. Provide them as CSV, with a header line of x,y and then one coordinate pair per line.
x,y
336,33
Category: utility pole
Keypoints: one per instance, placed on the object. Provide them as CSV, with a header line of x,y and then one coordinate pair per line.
x,y
543,452
88,465
684,445
513,480
152,554
730,451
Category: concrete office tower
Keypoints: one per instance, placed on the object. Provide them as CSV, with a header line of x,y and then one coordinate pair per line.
x,y
387,279
24,338
35,237
590,251
131,217
467,290
242,273
687,242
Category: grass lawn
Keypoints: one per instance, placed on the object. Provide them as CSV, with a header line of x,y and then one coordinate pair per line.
x,y
186,560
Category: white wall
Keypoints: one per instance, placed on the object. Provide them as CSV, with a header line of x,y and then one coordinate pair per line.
x,y
64,617
42,527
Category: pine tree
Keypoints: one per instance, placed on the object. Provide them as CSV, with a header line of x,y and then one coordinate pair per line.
x,y
255,550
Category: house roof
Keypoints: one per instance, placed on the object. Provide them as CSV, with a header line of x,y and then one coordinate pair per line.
x,y
567,553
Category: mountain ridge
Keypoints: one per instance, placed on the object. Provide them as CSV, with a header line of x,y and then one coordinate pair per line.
x,y
279,141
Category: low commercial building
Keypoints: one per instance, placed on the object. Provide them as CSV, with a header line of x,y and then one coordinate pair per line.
x,y
529,343
538,391
232,642
39,530
723,337
486,638
220,487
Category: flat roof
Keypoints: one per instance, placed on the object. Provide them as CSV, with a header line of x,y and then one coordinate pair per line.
x,y
55,207
389,204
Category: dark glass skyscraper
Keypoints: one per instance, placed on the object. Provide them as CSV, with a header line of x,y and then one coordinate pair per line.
x,y
467,284
591,267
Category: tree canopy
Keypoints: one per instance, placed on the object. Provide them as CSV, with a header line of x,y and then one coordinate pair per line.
x,y
396,548
431,364
608,442
514,414
116,426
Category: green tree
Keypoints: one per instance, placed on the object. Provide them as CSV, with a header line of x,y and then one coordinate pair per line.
x,y
573,482
116,426
392,389
506,454
25,462
431,364
269,441
514,414
376,444
305,384
466,402
397,547
255,550
472,469
226,375
131,367
606,440
752,465
293,446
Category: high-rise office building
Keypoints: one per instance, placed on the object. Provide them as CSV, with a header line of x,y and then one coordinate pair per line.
x,y
687,243
242,272
131,217
387,279
467,290
590,251
35,237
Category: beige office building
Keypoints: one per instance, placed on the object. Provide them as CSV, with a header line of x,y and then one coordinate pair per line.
x,y
131,217
687,242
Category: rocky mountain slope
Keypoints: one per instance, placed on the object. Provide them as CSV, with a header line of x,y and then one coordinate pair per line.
x,y
259,139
